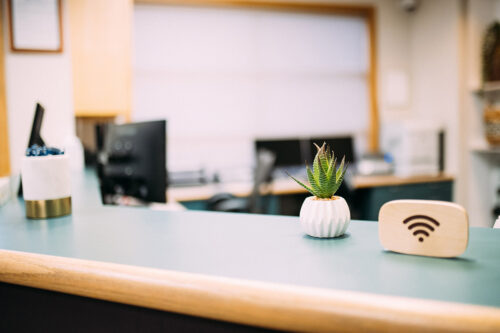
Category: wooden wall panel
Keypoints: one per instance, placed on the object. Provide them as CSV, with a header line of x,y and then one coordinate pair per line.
x,y
101,51
4,133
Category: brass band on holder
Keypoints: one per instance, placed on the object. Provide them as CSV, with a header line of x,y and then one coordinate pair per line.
x,y
42,209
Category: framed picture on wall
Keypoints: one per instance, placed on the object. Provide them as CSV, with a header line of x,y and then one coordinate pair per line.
x,y
35,25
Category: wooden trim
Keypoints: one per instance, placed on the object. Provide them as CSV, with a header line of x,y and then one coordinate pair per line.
x,y
261,304
11,32
365,11
373,132
286,186
312,7
4,133
392,180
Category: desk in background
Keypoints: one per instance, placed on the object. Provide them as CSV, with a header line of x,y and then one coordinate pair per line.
x,y
285,197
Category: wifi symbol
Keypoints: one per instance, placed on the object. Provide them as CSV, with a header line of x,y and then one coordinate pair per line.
x,y
419,226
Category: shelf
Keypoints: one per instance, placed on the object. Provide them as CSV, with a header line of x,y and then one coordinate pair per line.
x,y
488,88
491,86
484,148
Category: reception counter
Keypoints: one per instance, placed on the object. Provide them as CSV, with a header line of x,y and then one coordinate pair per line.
x,y
251,271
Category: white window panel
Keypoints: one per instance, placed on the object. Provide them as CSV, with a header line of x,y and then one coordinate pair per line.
x,y
220,75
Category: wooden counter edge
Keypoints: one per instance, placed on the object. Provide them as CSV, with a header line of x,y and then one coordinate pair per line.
x,y
393,180
268,305
286,186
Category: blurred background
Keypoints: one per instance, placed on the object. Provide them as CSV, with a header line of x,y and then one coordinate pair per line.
x,y
405,89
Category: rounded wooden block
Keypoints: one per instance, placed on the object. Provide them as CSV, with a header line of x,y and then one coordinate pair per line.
x,y
424,227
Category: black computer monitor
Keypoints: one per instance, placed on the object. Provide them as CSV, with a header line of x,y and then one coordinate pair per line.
x,y
288,152
132,162
341,146
35,137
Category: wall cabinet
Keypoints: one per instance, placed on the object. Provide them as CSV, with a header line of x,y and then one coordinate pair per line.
x,y
101,52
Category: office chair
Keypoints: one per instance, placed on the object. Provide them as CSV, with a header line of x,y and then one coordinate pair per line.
x,y
226,202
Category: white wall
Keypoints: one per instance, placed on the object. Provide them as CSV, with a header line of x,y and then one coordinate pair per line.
x,y
38,77
436,74
393,54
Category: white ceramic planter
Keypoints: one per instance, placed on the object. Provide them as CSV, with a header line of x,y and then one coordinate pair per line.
x,y
46,186
325,218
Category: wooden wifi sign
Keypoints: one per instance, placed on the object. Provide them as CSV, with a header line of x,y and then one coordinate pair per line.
x,y
424,227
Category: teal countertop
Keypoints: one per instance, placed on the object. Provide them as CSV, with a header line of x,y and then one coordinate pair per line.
x,y
254,247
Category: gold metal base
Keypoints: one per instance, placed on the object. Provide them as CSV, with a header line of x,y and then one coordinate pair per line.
x,y
42,209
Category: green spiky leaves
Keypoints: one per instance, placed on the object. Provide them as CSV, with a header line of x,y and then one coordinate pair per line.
x,y
324,178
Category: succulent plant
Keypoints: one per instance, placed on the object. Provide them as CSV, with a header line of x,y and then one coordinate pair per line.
x,y
324,178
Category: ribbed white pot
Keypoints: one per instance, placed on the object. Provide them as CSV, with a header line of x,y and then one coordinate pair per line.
x,y
325,218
